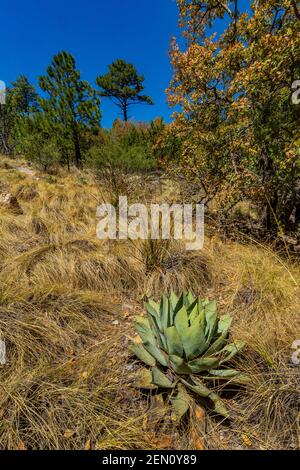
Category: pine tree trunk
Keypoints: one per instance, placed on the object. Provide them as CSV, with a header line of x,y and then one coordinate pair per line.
x,y
78,157
125,112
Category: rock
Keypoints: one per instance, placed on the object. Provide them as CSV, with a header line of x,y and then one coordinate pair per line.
x,y
8,201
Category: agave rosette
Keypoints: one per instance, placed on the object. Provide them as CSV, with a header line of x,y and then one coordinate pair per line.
x,y
185,344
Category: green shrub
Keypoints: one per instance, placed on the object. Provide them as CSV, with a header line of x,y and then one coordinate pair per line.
x,y
133,158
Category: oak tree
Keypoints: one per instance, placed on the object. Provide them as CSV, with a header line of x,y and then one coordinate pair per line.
x,y
238,126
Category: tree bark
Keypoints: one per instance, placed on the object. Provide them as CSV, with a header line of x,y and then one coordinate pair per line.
x,y
125,112
267,172
78,156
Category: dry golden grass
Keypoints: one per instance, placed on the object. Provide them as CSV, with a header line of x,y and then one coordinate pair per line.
x,y
67,301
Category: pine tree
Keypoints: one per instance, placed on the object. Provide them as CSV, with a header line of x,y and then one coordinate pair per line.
x,y
21,101
123,86
72,106
26,97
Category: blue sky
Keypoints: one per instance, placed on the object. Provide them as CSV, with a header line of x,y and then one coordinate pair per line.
x,y
96,32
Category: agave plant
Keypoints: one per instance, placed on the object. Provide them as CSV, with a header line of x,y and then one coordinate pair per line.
x,y
185,345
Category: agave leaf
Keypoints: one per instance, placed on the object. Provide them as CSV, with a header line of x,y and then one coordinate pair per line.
x,y
190,298
184,299
154,305
142,320
204,302
201,312
164,344
234,375
193,311
153,309
156,353
142,354
171,315
179,365
230,350
202,364
224,324
159,336
145,333
202,320
241,379
199,389
215,347
180,303
205,392
218,344
160,379
173,341
219,405
181,320
173,300
210,319
193,340
164,312
181,403
156,331
144,380
224,372
150,335
210,306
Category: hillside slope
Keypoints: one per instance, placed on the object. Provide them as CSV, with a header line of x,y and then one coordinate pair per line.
x,y
67,303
